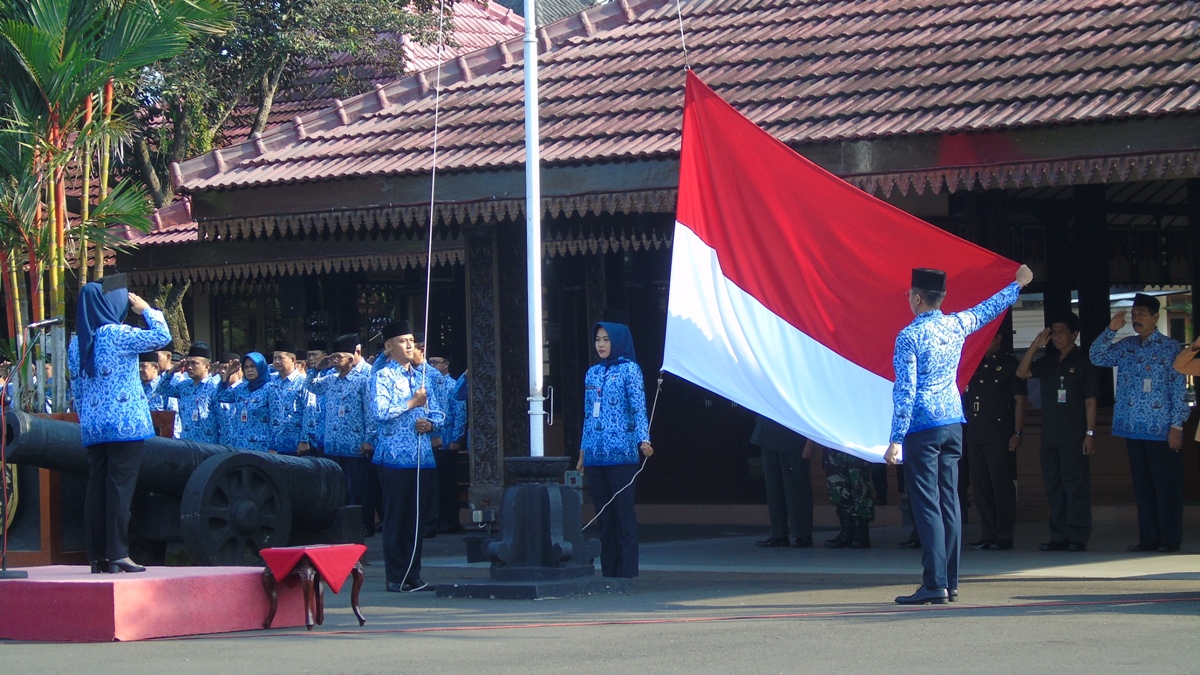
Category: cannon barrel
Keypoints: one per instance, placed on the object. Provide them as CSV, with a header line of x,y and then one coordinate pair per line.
x,y
232,502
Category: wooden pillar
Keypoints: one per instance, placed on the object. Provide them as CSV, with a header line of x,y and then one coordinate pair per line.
x,y
514,337
1091,246
1193,219
484,361
1059,267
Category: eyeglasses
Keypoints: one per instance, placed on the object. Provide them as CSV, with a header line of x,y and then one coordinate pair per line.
x,y
437,362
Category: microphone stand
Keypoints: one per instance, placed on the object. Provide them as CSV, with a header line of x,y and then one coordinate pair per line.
x,y
6,573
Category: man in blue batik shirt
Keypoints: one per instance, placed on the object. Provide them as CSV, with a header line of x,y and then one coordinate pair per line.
x,y
1149,412
289,399
196,391
403,412
348,422
927,419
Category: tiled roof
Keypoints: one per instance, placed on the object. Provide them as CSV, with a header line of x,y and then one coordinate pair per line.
x,y
807,71
173,224
477,25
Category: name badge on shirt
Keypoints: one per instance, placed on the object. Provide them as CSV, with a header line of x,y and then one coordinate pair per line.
x,y
245,417
341,412
596,409
1147,385
1062,395
195,415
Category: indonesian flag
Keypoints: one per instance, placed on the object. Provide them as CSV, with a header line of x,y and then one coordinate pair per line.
x,y
788,284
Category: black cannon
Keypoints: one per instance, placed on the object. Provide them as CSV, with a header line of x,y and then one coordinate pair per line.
x,y
224,504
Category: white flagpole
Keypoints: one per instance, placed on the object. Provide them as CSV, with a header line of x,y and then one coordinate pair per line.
x,y
533,232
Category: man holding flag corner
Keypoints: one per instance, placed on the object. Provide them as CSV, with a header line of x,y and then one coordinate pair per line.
x,y
927,420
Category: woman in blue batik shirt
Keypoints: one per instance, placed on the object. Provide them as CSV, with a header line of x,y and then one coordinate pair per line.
x,y
614,429
114,418
251,400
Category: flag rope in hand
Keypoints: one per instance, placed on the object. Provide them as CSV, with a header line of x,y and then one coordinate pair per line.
x,y
650,423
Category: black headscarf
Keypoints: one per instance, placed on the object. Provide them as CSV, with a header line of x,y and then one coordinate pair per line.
x,y
96,309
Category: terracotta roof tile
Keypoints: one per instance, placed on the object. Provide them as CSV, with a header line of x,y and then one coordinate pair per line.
x,y
809,72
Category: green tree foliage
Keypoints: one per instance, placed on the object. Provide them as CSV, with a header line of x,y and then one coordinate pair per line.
x,y
185,101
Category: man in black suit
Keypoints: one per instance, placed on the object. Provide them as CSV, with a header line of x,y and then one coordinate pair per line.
x,y
785,462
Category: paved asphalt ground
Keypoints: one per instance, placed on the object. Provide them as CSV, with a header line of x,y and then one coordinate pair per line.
x,y
709,601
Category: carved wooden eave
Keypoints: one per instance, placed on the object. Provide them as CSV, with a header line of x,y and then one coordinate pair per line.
x,y
449,213
1048,173
267,269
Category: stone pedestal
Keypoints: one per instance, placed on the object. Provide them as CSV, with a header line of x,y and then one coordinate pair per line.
x,y
543,553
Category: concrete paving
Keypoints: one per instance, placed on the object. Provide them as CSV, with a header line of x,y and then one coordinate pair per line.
x,y
709,601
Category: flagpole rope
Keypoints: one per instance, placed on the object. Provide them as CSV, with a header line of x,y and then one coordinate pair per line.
x,y
682,39
650,423
437,101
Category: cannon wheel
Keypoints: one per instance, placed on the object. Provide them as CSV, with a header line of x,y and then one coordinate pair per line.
x,y
232,507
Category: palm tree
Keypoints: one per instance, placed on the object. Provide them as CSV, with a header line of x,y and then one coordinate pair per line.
x,y
55,57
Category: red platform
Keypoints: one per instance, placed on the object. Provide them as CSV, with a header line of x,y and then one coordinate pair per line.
x,y
65,603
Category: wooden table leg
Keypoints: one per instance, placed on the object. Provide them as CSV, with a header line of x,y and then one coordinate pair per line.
x,y
307,574
319,597
357,574
268,582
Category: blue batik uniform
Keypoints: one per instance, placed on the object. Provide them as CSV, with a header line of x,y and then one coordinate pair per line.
x,y
289,399
614,414
348,419
250,425
197,411
314,411
929,397
397,443
1151,398
112,404
1151,395
156,402
456,418
169,402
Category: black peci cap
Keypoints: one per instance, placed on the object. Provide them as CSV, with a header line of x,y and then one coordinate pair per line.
x,y
396,328
929,279
1148,301
200,349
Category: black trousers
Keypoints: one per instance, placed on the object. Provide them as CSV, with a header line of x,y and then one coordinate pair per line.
x,y
112,479
407,498
1068,475
1157,474
618,522
789,493
993,482
447,490
360,473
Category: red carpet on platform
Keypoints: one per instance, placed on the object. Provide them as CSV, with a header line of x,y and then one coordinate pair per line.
x,y
66,603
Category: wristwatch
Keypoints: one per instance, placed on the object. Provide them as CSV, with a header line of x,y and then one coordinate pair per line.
x,y
1091,433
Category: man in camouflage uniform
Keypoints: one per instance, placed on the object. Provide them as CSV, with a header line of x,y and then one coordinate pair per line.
x,y
853,496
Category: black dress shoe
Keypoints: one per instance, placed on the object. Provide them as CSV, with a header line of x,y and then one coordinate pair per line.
x,y
772,542
981,545
393,587
415,585
1168,548
953,593
803,542
124,565
1077,546
1001,546
925,596
1054,546
911,542
99,566
1143,548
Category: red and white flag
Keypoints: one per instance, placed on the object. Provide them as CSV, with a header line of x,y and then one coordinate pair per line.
x,y
788,284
